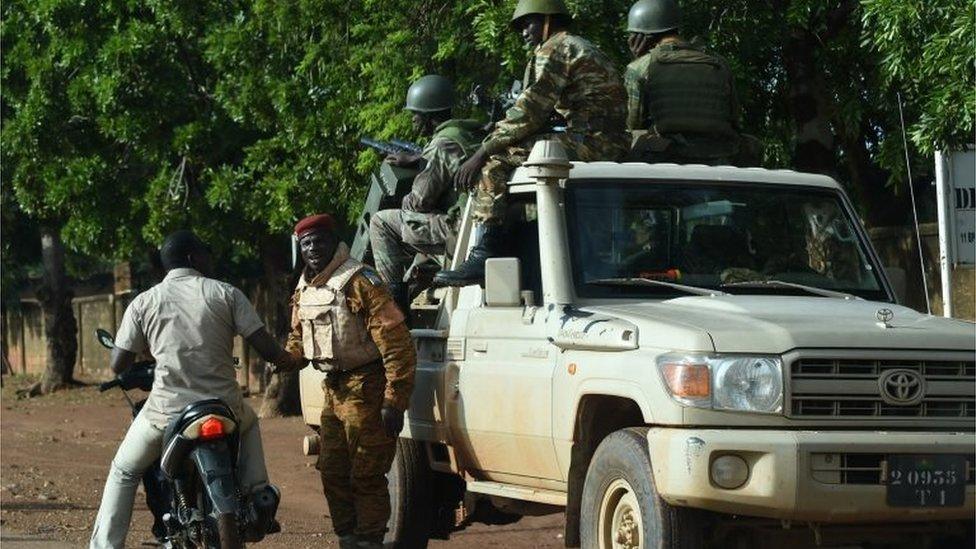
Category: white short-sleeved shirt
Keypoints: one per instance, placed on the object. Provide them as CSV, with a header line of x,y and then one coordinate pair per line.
x,y
188,323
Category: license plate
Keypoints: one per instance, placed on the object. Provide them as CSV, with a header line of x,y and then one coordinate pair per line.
x,y
926,480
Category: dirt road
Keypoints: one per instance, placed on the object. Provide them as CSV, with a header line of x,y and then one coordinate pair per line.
x,y
56,451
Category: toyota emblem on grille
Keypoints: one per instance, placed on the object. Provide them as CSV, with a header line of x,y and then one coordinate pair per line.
x,y
884,316
901,387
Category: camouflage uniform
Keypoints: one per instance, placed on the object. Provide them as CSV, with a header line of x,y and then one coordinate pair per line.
x,y
682,106
569,76
427,223
355,453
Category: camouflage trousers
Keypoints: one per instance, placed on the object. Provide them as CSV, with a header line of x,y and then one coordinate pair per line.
x,y
396,236
490,200
355,454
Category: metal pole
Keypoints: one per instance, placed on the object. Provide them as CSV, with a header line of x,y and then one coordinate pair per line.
x,y
943,200
911,191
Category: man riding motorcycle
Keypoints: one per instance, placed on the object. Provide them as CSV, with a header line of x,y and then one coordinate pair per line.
x,y
188,323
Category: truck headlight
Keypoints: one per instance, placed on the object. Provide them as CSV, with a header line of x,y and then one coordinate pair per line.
x,y
725,382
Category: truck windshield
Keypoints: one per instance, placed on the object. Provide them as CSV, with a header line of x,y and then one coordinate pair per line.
x,y
733,237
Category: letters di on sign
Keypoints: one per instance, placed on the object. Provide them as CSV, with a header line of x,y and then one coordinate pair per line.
x,y
962,173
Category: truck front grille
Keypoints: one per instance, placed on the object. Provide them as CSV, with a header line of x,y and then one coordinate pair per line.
x,y
851,389
852,468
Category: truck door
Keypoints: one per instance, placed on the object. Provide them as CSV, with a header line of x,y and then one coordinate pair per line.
x,y
503,387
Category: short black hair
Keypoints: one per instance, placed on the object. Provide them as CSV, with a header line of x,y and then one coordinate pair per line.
x,y
177,248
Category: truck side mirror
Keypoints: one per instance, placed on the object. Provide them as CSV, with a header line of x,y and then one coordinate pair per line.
x,y
503,282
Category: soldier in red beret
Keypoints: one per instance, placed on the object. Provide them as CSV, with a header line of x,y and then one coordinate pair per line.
x,y
345,321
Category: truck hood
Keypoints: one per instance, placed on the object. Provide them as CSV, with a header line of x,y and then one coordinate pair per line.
x,y
777,324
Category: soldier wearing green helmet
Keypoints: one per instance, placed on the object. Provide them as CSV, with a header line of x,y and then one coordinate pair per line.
x,y
567,76
427,220
681,104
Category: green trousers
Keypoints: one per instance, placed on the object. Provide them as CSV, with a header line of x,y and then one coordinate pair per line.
x,y
355,454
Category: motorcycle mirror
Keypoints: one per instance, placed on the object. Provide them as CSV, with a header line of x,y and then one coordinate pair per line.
x,y
105,338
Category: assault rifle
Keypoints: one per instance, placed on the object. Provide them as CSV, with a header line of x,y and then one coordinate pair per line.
x,y
497,106
393,146
494,105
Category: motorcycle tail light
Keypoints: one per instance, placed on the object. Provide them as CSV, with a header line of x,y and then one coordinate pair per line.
x,y
211,429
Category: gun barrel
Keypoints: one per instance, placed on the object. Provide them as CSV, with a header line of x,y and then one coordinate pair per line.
x,y
407,146
379,146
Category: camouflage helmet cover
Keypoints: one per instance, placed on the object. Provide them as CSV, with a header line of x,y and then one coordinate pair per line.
x,y
653,16
540,7
431,93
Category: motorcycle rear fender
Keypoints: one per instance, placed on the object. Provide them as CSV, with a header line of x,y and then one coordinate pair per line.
x,y
215,464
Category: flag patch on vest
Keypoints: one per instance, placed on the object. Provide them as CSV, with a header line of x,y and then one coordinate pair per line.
x,y
372,276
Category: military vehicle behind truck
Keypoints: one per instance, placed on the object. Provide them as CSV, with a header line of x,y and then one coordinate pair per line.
x,y
686,356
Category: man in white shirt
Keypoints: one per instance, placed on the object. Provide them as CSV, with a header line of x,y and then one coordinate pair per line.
x,y
188,323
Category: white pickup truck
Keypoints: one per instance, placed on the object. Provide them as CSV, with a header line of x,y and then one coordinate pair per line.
x,y
686,356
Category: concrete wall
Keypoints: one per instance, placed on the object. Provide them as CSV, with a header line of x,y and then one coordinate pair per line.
x,y
897,248
23,340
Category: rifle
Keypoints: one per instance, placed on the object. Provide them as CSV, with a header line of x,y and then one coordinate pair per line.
x,y
392,146
497,106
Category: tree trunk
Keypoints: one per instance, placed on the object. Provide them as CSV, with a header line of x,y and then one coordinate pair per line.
x,y
879,204
60,327
810,105
281,397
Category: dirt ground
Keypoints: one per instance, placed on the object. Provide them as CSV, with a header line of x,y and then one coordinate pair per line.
x,y
55,452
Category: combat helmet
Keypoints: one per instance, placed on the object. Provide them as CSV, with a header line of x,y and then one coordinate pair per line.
x,y
653,16
431,93
540,7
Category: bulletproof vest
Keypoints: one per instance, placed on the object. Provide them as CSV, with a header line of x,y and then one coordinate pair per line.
x,y
330,330
688,91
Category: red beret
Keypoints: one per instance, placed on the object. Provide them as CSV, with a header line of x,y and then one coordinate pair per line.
x,y
320,221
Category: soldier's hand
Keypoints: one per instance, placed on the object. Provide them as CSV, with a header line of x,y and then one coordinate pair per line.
x,y
403,159
392,421
469,174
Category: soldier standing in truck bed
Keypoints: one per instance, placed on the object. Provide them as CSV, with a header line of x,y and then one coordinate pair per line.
x,y
427,222
568,76
345,322
681,104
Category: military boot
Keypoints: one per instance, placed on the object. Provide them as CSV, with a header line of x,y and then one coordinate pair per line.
x,y
369,544
472,270
349,541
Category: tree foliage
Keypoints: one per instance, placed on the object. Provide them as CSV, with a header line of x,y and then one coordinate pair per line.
x,y
124,119
926,50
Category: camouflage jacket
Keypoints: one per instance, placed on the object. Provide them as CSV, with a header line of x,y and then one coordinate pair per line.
x,y
452,143
570,76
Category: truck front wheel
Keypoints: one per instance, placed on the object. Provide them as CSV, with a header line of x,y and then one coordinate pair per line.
x,y
411,504
620,506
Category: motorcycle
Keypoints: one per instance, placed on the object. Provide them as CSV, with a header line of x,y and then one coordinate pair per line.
x,y
192,490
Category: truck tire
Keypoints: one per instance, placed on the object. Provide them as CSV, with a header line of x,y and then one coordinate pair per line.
x,y
620,506
411,502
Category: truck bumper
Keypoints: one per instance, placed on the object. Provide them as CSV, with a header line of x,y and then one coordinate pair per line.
x,y
799,475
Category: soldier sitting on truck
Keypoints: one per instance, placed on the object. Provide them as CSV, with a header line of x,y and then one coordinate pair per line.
x,y
427,222
681,103
567,76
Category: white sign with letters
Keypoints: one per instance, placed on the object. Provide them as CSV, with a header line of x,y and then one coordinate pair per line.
x,y
962,202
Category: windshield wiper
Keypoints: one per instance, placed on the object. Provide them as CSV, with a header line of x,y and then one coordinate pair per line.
x,y
783,284
637,281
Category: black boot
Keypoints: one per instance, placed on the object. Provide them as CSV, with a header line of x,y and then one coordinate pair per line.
x,y
472,270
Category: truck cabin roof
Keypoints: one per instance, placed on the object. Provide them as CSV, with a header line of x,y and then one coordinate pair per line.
x,y
684,172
